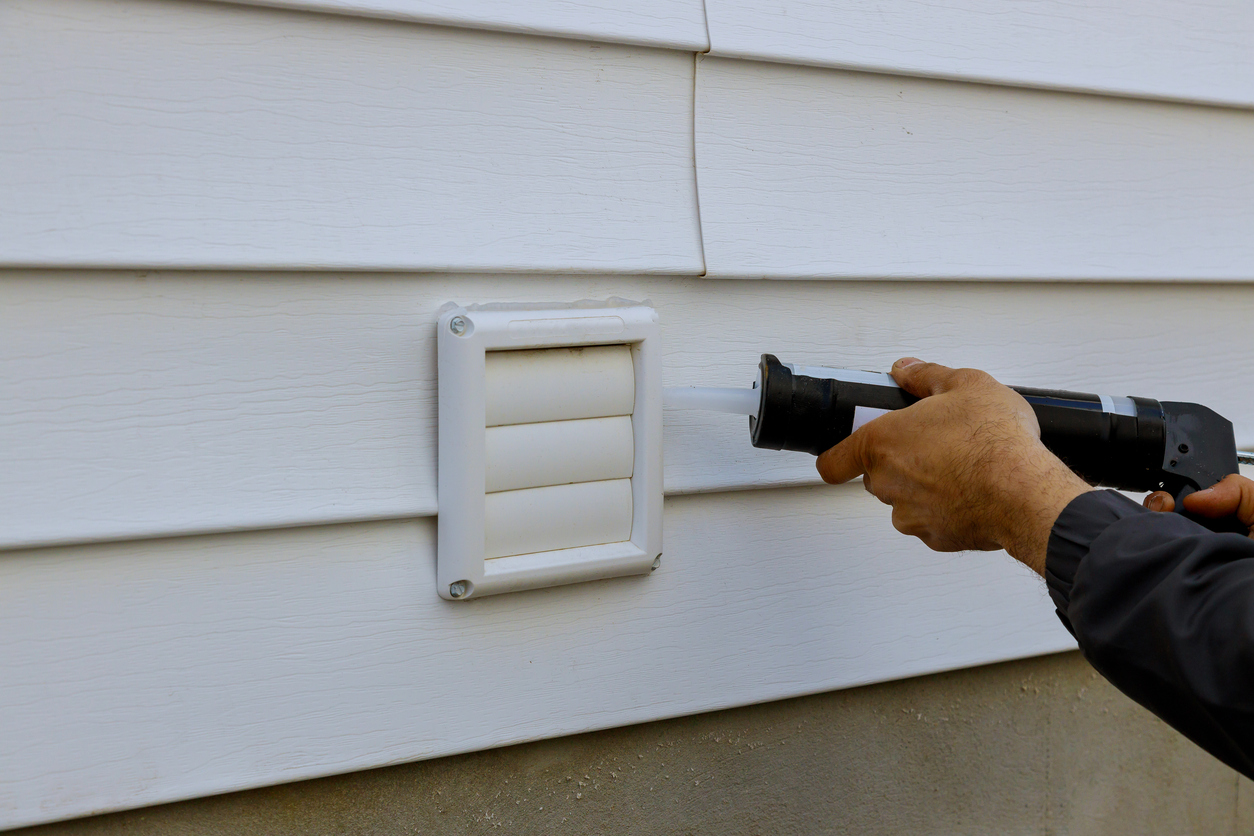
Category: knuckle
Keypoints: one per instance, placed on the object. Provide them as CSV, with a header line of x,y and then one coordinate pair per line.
x,y
972,377
908,523
867,436
916,370
872,437
863,445
878,489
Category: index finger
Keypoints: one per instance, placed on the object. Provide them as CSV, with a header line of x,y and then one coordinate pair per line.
x,y
1233,496
845,461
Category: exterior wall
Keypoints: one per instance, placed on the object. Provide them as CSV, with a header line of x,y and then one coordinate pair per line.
x,y
1035,747
228,228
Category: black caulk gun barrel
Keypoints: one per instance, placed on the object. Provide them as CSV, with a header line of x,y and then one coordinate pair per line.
x,y
1133,444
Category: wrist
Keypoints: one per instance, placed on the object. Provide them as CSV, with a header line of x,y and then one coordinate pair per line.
x,y
1035,494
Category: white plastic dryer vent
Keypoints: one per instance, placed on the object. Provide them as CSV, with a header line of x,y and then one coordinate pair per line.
x,y
550,446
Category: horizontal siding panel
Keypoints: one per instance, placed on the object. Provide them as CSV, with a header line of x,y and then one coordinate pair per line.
x,y
816,173
142,673
677,24
195,134
140,405
1160,48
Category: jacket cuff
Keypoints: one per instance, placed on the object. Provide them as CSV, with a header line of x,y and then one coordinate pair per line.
x,y
1079,524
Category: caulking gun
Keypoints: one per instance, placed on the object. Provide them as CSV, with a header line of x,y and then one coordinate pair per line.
x,y
1133,444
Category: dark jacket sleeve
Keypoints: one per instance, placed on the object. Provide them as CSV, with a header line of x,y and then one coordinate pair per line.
x,y
1164,609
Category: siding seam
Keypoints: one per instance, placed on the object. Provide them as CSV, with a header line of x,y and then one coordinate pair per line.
x,y
696,175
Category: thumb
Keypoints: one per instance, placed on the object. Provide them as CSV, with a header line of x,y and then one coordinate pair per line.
x,y
922,379
1233,496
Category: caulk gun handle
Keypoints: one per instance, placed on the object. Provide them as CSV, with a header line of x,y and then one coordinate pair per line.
x,y
1200,450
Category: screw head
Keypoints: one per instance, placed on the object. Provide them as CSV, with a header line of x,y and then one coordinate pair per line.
x,y
457,325
1183,448
457,589
657,562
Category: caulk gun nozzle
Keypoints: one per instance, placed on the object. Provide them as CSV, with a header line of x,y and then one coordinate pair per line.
x,y
735,401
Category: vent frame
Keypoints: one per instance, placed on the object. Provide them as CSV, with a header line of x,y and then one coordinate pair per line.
x,y
462,570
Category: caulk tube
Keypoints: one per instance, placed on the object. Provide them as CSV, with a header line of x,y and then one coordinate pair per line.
x,y
1115,442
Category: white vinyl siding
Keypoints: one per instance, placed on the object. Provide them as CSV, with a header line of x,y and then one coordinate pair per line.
x,y
186,403
192,135
815,173
678,24
1155,48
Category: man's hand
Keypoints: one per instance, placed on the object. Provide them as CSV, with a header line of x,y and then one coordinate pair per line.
x,y
1234,496
964,468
